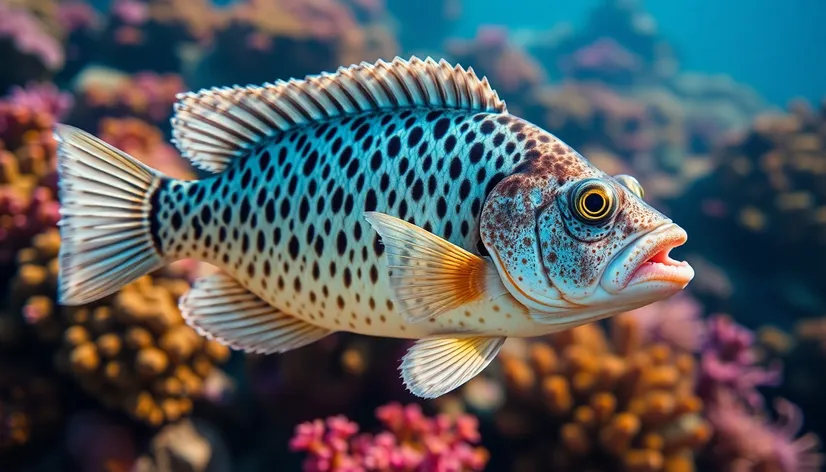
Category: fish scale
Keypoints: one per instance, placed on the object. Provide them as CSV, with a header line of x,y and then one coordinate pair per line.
x,y
391,199
350,292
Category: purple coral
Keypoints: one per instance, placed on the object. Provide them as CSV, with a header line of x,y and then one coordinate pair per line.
x,y
77,15
676,321
29,36
744,441
602,57
410,442
728,363
40,98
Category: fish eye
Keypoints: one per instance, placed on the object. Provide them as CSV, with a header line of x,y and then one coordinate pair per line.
x,y
593,201
631,184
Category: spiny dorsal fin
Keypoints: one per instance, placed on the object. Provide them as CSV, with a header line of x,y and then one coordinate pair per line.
x,y
213,126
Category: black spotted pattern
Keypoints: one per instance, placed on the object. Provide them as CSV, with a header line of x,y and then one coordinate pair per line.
x,y
287,221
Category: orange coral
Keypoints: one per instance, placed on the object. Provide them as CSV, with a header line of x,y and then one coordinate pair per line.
x,y
146,143
131,350
601,400
104,92
137,354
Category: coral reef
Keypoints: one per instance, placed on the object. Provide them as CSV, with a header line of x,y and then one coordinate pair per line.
x,y
584,399
138,355
409,441
265,40
745,438
349,370
192,445
27,163
30,406
103,93
26,43
491,54
661,389
770,179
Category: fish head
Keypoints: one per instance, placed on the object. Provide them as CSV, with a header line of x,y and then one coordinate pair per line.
x,y
567,238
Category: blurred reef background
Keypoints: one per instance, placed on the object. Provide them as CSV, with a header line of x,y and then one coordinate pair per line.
x,y
722,121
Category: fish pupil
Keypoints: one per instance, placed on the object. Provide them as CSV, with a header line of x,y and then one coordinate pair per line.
x,y
594,203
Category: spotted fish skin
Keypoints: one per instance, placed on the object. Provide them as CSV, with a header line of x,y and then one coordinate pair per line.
x,y
287,221
391,199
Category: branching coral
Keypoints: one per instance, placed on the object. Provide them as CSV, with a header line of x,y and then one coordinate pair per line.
x,y
410,441
107,93
268,40
491,54
579,401
729,363
25,42
745,438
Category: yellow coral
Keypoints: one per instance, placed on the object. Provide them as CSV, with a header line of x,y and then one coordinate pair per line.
x,y
622,401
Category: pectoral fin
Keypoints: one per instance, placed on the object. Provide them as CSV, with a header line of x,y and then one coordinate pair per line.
x,y
220,308
435,366
429,275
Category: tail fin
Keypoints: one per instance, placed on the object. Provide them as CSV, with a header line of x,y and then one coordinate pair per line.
x,y
105,226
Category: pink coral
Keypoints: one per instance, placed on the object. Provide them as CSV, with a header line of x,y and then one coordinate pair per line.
x,y
676,321
131,12
747,442
76,15
729,363
603,56
411,442
29,36
41,98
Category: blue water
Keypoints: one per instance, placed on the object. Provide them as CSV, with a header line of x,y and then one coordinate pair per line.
x,y
777,47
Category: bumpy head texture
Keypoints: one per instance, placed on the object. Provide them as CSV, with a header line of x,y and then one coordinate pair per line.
x,y
556,223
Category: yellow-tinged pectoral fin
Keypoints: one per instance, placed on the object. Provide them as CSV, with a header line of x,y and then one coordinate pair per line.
x,y
435,366
429,275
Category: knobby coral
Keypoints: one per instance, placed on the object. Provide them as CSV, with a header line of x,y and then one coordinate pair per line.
x,y
410,441
27,167
136,353
581,401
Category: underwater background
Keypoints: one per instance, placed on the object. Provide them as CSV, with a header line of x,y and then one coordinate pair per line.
x,y
717,108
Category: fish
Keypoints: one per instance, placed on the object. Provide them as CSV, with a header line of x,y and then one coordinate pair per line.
x,y
393,199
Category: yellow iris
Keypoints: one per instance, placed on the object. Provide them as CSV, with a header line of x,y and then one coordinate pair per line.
x,y
594,203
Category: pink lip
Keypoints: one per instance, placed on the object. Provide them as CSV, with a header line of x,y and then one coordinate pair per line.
x,y
654,263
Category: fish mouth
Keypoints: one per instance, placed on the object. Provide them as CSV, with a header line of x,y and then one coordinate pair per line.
x,y
648,260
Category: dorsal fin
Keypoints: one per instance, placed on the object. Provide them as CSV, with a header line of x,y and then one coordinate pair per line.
x,y
213,126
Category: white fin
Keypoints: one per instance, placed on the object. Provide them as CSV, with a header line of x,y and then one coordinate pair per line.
x,y
213,126
220,308
429,275
105,207
435,366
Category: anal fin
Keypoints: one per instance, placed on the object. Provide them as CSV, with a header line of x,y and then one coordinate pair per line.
x,y
220,308
435,366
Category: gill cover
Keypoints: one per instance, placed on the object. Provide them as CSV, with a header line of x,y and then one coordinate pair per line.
x,y
552,239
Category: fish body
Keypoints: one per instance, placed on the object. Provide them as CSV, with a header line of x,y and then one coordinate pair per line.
x,y
287,222
396,200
